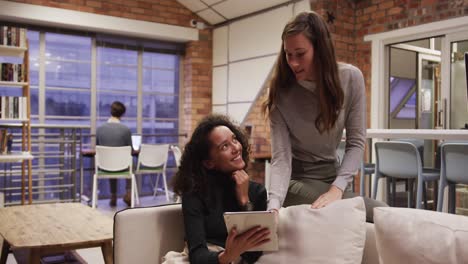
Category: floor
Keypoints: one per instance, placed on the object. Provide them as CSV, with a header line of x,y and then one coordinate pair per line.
x,y
94,255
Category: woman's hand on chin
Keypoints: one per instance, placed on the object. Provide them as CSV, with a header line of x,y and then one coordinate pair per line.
x,y
242,186
333,194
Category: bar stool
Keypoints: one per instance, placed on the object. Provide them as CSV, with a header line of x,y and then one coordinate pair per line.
x,y
369,168
366,169
402,160
454,169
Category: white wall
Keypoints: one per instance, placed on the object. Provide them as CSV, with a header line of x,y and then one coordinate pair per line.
x,y
244,53
459,109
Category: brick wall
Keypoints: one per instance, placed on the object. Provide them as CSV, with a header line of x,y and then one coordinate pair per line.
x,y
354,20
198,54
197,80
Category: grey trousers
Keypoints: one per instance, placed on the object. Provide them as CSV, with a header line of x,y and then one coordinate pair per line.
x,y
310,180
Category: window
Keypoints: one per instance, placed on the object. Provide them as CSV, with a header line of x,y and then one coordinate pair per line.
x,y
160,96
117,80
67,77
65,90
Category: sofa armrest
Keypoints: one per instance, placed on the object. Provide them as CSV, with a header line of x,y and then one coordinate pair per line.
x,y
145,235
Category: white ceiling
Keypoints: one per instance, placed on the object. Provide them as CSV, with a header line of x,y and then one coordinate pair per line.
x,y
219,11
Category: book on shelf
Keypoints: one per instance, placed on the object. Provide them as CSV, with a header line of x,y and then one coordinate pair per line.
x,y
10,72
13,36
13,107
5,140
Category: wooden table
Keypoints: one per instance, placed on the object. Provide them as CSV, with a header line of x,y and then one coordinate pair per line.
x,y
54,228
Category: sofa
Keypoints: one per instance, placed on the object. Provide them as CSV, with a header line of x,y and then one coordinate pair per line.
x,y
399,235
145,235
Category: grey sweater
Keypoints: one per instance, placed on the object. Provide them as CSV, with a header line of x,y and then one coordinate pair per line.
x,y
294,135
113,134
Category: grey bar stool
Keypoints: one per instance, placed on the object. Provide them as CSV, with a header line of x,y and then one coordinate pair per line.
x,y
369,168
366,169
454,169
402,160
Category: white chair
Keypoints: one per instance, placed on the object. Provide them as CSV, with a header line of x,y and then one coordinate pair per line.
x,y
177,157
177,154
114,163
152,160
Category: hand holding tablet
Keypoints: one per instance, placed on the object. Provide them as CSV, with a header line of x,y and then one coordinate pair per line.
x,y
244,221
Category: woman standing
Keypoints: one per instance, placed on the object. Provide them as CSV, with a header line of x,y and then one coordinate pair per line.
x,y
312,100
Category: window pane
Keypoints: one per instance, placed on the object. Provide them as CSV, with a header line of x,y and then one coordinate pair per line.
x,y
11,91
159,60
73,121
68,74
160,106
33,38
117,56
160,131
105,100
163,81
33,73
67,103
8,59
117,78
67,47
34,101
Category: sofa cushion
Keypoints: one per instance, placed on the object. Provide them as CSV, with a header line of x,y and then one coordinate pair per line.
x,y
406,235
333,234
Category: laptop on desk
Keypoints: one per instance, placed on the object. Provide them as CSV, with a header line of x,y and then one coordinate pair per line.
x,y
136,142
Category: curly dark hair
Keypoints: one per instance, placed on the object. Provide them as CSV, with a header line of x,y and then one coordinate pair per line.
x,y
192,176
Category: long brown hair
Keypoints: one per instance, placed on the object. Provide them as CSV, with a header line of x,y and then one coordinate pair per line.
x,y
329,89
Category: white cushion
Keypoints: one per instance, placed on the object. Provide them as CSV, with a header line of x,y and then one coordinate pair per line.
x,y
333,234
406,235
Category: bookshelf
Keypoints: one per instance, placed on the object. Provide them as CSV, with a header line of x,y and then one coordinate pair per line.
x,y
15,110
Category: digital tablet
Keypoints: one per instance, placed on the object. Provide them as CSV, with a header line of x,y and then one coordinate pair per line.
x,y
243,221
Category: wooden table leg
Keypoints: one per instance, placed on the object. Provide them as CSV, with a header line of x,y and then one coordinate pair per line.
x,y
5,251
106,249
34,256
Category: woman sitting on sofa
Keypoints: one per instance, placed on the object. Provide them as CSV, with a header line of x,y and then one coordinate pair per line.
x,y
212,180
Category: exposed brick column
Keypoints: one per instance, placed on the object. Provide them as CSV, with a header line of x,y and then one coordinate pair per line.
x,y
197,82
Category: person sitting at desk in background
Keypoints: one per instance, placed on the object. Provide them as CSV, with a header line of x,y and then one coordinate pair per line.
x,y
115,134
311,100
212,180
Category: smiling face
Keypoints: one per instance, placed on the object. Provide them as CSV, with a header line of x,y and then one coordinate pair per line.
x,y
300,55
225,151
